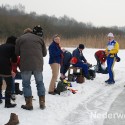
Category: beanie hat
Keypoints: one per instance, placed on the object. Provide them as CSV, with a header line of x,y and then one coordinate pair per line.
x,y
110,35
81,46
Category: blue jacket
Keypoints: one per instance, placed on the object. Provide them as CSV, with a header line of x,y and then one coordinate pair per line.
x,y
76,53
55,53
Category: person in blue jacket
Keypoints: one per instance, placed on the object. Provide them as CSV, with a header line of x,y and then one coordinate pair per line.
x,y
55,58
65,63
81,60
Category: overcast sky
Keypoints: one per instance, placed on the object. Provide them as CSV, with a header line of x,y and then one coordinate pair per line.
x,y
98,12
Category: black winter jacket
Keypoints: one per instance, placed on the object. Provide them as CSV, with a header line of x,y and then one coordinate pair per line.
x,y
7,56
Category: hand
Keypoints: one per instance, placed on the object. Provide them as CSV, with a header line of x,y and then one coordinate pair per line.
x,y
106,53
13,74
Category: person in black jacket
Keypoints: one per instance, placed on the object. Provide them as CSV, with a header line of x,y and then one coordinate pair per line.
x,y
7,57
65,63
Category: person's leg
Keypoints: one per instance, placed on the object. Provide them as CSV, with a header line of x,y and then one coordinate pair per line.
x,y
98,63
84,68
55,72
40,88
8,81
17,88
26,76
110,63
39,83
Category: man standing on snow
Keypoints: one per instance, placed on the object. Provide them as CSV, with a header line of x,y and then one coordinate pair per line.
x,y
55,58
31,49
111,52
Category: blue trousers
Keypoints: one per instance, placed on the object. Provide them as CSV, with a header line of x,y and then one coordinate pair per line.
x,y
110,65
83,66
26,76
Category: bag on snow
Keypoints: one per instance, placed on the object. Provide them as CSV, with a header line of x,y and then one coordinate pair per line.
x,y
61,87
80,79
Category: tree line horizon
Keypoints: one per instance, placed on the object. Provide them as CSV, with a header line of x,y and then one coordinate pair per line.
x,y
14,20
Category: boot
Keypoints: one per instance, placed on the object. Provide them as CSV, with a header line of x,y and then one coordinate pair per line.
x,y
13,119
17,90
28,105
42,102
7,101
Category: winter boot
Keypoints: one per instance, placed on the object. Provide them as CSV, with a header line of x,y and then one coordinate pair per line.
x,y
7,101
13,119
28,105
17,90
42,102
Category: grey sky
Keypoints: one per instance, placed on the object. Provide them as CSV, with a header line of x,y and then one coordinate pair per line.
x,y
98,12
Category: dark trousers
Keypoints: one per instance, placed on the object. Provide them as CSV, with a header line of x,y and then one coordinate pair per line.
x,y
98,63
84,67
8,81
64,69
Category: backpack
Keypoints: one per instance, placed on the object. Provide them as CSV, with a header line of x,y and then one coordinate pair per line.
x,y
80,79
61,86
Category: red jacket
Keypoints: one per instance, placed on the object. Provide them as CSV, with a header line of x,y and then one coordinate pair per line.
x,y
15,65
101,55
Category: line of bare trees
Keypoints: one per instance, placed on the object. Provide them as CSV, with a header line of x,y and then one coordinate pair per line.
x,y
13,20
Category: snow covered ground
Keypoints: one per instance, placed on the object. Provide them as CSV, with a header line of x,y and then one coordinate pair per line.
x,y
93,97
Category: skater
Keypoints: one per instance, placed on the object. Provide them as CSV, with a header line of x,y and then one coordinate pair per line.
x,y
111,52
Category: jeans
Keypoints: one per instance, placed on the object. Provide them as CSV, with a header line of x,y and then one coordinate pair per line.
x,y
110,64
26,76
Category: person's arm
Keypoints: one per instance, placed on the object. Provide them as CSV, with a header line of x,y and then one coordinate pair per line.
x,y
115,49
44,50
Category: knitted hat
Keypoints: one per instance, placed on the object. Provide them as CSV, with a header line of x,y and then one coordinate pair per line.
x,y
110,35
81,46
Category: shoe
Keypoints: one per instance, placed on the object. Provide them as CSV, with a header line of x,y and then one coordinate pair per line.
x,y
52,93
111,82
13,119
42,102
10,105
107,81
28,105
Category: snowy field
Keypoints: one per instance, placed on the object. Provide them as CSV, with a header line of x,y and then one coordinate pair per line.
x,y
93,97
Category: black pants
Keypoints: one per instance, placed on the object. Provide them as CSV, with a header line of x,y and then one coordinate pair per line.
x,y
8,81
98,63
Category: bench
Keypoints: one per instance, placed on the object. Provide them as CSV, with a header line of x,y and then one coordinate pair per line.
x,y
75,70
